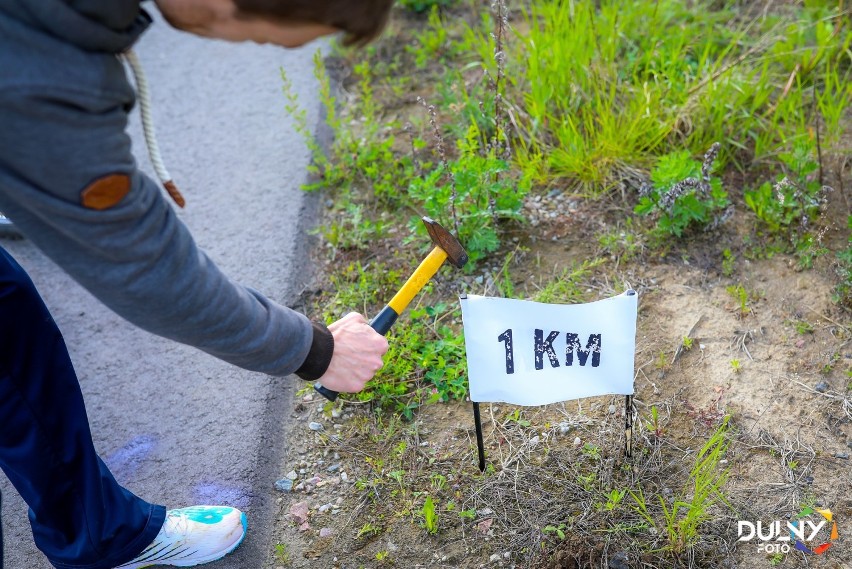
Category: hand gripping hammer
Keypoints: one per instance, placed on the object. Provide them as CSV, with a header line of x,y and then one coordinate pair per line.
x,y
446,248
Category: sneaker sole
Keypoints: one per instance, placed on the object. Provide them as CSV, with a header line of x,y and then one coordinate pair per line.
x,y
209,558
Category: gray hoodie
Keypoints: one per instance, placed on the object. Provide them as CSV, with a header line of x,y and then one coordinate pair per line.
x,y
70,183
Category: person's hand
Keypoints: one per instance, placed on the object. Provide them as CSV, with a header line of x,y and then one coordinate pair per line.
x,y
358,351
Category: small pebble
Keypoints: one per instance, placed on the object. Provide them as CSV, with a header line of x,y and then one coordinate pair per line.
x,y
842,455
619,561
577,441
564,428
314,426
344,477
336,413
821,387
326,532
284,485
534,441
495,557
324,508
612,409
333,468
292,475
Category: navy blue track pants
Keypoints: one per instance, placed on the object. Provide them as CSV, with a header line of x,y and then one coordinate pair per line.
x,y
80,516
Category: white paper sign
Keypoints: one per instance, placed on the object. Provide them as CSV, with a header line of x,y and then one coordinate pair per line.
x,y
529,353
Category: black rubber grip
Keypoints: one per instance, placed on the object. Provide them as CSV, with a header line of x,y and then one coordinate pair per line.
x,y
325,392
381,323
384,320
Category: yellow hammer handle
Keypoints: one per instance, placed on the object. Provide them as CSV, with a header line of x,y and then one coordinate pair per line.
x,y
418,280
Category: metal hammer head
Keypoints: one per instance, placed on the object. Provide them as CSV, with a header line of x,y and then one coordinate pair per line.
x,y
446,241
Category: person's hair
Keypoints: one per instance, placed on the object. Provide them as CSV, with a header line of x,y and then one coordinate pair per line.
x,y
360,20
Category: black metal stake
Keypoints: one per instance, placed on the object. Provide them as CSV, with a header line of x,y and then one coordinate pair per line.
x,y
481,445
628,413
628,425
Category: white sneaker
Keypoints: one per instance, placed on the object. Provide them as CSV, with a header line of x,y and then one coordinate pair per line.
x,y
192,536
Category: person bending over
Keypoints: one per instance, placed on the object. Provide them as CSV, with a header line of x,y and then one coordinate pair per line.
x,y
70,184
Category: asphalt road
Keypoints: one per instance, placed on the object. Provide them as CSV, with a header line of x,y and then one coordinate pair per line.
x,y
175,425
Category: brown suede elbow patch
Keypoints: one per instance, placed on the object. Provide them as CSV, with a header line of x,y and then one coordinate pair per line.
x,y
319,356
105,192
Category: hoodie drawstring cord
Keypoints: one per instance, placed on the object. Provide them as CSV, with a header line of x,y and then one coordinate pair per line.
x,y
148,127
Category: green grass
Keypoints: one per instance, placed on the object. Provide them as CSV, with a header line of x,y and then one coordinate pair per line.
x,y
680,521
429,515
742,297
602,88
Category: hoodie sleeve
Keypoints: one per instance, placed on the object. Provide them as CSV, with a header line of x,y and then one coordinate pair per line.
x,y
69,181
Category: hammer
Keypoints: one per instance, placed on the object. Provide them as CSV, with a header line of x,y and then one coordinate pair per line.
x,y
447,247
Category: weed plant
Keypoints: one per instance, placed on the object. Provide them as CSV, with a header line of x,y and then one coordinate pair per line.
x,y
741,297
683,194
429,515
788,208
472,191
476,189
